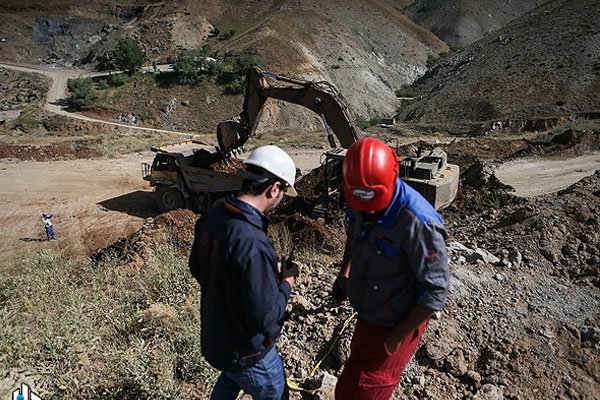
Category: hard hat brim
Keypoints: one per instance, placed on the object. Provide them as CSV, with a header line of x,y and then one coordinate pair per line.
x,y
291,191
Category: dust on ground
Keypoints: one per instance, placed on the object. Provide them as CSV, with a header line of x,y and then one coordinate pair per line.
x,y
74,191
47,152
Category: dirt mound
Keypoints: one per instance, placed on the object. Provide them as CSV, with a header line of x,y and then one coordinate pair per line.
x,y
180,226
465,152
176,227
228,166
463,22
527,70
568,143
47,152
310,188
302,233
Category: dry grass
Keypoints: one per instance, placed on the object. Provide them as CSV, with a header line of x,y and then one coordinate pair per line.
x,y
104,331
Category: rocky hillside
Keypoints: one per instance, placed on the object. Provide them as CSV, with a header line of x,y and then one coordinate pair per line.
x,y
462,22
545,64
367,49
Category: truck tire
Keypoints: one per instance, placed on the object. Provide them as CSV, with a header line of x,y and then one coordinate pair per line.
x,y
168,198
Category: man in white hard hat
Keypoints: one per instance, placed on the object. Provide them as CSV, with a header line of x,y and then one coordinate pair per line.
x,y
244,296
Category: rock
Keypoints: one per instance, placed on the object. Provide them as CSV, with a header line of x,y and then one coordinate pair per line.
x,y
489,392
515,257
499,277
573,331
185,103
418,380
301,302
483,255
327,386
546,332
474,377
549,255
455,364
590,334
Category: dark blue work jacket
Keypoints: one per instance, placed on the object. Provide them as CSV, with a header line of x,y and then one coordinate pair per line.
x,y
242,302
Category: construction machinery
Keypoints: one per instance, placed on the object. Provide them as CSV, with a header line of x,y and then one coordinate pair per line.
x,y
190,174
183,174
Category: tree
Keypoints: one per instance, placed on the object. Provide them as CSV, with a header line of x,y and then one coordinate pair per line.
x,y
193,66
83,93
129,56
243,63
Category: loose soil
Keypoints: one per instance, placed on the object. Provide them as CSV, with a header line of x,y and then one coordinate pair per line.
x,y
47,153
74,191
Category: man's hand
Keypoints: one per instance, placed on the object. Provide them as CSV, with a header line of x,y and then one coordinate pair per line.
x,y
289,272
340,288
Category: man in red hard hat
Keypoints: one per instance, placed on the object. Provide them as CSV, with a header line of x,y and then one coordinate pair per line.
x,y
394,270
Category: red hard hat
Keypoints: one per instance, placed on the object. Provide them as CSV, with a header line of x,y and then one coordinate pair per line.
x,y
369,175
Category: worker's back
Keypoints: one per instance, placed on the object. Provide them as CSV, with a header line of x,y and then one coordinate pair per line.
x,y
230,239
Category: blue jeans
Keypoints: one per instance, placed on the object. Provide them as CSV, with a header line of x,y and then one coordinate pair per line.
x,y
49,232
264,380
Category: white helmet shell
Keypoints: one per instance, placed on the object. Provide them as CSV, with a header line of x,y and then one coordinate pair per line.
x,y
277,162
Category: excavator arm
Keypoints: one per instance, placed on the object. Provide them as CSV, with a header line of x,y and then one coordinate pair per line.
x,y
320,97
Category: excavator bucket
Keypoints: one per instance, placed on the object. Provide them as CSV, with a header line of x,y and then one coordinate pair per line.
x,y
230,135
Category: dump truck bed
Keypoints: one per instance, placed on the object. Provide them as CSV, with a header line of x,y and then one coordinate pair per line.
x,y
185,149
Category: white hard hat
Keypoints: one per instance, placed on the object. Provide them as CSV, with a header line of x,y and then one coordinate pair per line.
x,y
277,162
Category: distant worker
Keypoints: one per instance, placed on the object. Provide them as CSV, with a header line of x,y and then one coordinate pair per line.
x,y
47,220
243,295
394,270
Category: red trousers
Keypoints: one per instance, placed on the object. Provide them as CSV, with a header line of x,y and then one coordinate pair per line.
x,y
372,372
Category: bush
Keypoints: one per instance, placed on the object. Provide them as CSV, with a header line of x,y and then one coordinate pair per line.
x,y
206,50
193,66
129,56
243,63
403,104
405,91
364,123
236,86
102,84
116,80
431,61
227,35
83,93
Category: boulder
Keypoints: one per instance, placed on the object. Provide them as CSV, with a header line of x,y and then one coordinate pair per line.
x,y
489,392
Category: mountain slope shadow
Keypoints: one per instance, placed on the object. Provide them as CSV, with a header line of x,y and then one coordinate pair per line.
x,y
138,204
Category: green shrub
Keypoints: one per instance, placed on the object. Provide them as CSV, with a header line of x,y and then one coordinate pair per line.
x,y
403,104
235,87
102,84
405,91
83,93
364,123
431,61
243,63
193,66
116,80
227,35
129,56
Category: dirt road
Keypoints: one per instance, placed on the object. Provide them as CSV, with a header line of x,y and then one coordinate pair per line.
x,y
58,91
533,177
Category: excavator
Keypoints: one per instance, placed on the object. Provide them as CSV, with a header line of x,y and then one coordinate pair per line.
x,y
182,173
